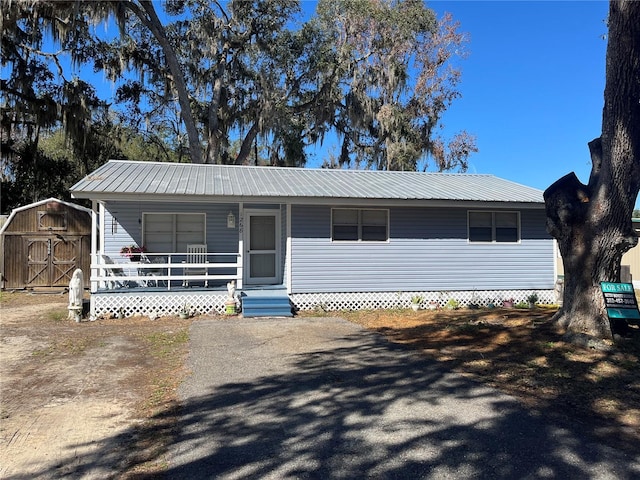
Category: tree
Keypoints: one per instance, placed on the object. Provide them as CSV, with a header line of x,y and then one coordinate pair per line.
x,y
592,222
248,69
392,79
54,127
238,62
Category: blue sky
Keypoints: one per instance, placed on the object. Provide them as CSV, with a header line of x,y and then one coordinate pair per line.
x,y
532,86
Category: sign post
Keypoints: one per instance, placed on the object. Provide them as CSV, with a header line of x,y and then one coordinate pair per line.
x,y
620,301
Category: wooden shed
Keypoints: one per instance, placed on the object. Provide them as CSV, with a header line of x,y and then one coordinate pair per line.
x,y
41,245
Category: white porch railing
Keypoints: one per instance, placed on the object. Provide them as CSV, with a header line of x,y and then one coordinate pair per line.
x,y
111,271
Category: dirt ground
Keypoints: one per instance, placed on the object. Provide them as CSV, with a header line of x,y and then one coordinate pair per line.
x,y
97,399
74,394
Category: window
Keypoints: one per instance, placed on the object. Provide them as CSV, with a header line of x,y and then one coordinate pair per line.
x,y
494,227
172,232
358,224
52,221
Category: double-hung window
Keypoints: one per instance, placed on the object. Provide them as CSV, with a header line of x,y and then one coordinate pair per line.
x,y
359,224
494,227
172,232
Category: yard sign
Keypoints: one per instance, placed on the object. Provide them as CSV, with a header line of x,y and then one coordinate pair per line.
x,y
620,300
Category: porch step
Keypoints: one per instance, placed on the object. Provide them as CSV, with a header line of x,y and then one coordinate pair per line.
x,y
271,306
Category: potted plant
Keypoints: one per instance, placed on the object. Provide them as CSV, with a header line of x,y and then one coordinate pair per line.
x,y
416,301
453,304
132,252
508,303
532,299
185,312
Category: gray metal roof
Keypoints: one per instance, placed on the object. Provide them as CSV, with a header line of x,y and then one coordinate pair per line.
x,y
119,179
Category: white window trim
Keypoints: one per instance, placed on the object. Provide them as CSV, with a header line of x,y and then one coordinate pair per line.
x,y
493,227
359,240
173,227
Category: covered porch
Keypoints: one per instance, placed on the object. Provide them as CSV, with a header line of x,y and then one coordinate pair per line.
x,y
157,258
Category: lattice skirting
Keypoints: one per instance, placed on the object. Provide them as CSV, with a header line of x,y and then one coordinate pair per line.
x,y
383,300
212,303
157,304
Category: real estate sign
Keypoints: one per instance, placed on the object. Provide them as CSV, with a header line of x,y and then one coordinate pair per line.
x,y
620,300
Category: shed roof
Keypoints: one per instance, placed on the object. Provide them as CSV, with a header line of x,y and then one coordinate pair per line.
x,y
118,179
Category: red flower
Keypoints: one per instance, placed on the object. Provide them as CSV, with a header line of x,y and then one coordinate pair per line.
x,y
131,250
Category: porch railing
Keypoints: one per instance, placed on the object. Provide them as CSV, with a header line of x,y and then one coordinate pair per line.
x,y
167,270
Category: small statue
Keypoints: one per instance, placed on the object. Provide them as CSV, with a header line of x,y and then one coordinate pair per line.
x,y
231,288
76,290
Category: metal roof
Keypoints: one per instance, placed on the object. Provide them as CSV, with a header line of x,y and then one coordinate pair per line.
x,y
118,179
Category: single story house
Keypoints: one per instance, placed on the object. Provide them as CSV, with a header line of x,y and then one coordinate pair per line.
x,y
41,244
319,238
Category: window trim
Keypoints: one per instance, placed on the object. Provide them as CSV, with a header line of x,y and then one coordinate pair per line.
x,y
174,232
493,227
360,225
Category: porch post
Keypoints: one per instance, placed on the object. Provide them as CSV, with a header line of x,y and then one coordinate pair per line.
x,y
240,258
287,260
94,244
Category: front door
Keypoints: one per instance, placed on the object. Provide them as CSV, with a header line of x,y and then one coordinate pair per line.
x,y
262,244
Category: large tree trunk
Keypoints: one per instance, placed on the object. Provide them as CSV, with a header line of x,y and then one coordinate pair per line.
x,y
592,222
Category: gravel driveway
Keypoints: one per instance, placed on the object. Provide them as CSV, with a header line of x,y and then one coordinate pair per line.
x,y
324,398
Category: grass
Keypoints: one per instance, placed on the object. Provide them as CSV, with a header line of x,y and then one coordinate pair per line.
x,y
63,347
159,406
168,348
58,315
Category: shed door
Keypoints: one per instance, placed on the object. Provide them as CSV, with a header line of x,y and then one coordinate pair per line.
x,y
52,260
65,258
38,253
263,246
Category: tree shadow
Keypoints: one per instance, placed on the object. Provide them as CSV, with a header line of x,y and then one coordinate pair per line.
x,y
357,407
568,382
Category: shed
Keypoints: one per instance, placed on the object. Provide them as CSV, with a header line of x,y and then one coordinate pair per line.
x,y
41,244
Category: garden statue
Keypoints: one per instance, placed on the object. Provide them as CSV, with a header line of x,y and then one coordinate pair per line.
x,y
230,304
231,288
76,291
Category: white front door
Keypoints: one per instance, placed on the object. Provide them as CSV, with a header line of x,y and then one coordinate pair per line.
x,y
262,243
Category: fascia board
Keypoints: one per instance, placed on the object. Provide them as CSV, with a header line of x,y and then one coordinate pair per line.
x,y
393,202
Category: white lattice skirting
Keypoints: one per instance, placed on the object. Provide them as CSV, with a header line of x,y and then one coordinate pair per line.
x,y
157,304
385,300
213,303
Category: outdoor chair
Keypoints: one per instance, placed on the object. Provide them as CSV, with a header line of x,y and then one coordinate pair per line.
x,y
115,270
196,253
153,272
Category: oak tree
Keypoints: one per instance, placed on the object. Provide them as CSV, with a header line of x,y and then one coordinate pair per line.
x,y
592,221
